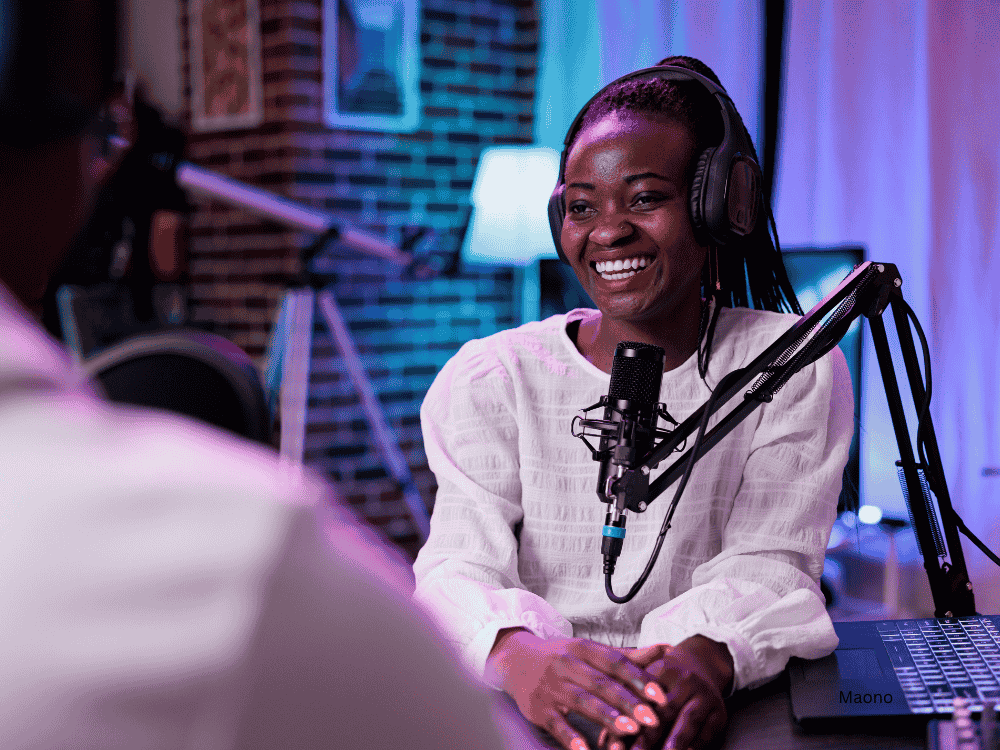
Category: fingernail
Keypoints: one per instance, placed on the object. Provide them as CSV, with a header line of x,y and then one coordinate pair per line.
x,y
655,693
625,724
645,714
578,744
616,745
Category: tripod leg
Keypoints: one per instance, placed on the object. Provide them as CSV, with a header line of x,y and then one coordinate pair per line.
x,y
386,441
274,359
295,373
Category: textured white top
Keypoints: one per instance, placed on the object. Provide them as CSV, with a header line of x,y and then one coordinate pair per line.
x,y
742,560
166,586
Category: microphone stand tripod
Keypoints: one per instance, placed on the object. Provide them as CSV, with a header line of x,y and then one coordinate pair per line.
x,y
288,352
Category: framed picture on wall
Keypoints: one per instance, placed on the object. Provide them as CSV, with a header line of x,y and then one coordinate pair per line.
x,y
226,86
371,64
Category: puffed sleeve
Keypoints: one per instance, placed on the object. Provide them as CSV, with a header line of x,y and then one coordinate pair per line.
x,y
760,595
467,571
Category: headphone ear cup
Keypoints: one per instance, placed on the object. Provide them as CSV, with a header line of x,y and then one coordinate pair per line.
x,y
557,214
696,196
743,196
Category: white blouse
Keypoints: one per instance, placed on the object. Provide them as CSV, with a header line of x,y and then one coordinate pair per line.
x,y
742,560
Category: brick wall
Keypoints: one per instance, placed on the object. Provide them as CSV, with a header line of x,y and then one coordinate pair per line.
x,y
478,60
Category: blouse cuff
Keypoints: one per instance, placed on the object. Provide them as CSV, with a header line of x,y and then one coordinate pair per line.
x,y
478,651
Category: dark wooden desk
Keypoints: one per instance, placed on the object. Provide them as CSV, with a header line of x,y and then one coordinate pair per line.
x,y
761,719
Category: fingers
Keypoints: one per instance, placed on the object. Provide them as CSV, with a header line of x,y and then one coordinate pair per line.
x,y
595,687
576,732
583,715
646,655
633,680
692,708
581,729
577,688
687,704
611,705
698,722
648,738
624,670
668,703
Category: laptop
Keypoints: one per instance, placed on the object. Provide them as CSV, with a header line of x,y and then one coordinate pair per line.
x,y
897,673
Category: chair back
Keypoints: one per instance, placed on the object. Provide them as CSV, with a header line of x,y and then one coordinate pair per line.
x,y
188,372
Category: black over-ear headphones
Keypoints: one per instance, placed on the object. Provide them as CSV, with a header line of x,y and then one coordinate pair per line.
x,y
725,194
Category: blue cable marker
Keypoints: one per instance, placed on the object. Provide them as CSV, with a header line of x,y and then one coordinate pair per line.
x,y
615,531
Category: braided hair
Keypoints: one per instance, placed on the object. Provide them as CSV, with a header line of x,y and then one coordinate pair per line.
x,y
750,270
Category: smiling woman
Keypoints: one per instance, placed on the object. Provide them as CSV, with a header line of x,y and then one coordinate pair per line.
x,y
659,212
668,119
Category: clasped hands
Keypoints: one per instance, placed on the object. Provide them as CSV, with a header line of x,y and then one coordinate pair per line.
x,y
670,697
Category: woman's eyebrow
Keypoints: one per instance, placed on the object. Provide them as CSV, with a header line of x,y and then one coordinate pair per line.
x,y
633,177
628,180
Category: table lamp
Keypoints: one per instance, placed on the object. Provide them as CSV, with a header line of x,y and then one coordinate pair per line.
x,y
509,224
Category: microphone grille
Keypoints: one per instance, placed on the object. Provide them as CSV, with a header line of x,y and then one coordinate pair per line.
x,y
636,373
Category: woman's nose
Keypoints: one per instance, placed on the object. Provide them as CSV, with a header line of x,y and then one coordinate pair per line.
x,y
612,230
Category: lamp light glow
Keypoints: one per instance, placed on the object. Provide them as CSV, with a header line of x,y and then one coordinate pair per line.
x,y
510,194
870,514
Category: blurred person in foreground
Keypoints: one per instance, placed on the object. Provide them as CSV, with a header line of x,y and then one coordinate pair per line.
x,y
166,585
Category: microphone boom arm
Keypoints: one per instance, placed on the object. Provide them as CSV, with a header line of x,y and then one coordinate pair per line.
x,y
868,291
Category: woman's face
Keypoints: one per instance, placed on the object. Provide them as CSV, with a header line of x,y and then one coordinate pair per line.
x,y
627,232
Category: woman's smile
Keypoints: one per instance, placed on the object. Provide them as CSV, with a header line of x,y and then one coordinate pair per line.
x,y
622,269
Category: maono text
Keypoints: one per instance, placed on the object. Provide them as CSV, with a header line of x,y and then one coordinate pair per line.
x,y
852,697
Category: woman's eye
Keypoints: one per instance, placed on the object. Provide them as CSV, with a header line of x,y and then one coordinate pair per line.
x,y
645,199
578,208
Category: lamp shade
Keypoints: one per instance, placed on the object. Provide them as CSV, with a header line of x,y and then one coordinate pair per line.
x,y
510,194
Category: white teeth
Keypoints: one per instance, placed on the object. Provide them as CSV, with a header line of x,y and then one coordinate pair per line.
x,y
609,269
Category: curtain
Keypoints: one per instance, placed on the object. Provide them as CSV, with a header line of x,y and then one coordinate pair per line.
x,y
586,44
887,138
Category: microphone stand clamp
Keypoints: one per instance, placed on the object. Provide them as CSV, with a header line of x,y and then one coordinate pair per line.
x,y
627,485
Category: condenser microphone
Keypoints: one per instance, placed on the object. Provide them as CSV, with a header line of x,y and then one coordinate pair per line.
x,y
631,403
631,406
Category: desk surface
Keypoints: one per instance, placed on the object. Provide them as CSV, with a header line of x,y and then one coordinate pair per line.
x,y
762,720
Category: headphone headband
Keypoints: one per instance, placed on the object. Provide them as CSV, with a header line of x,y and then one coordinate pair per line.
x,y
665,72
725,193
